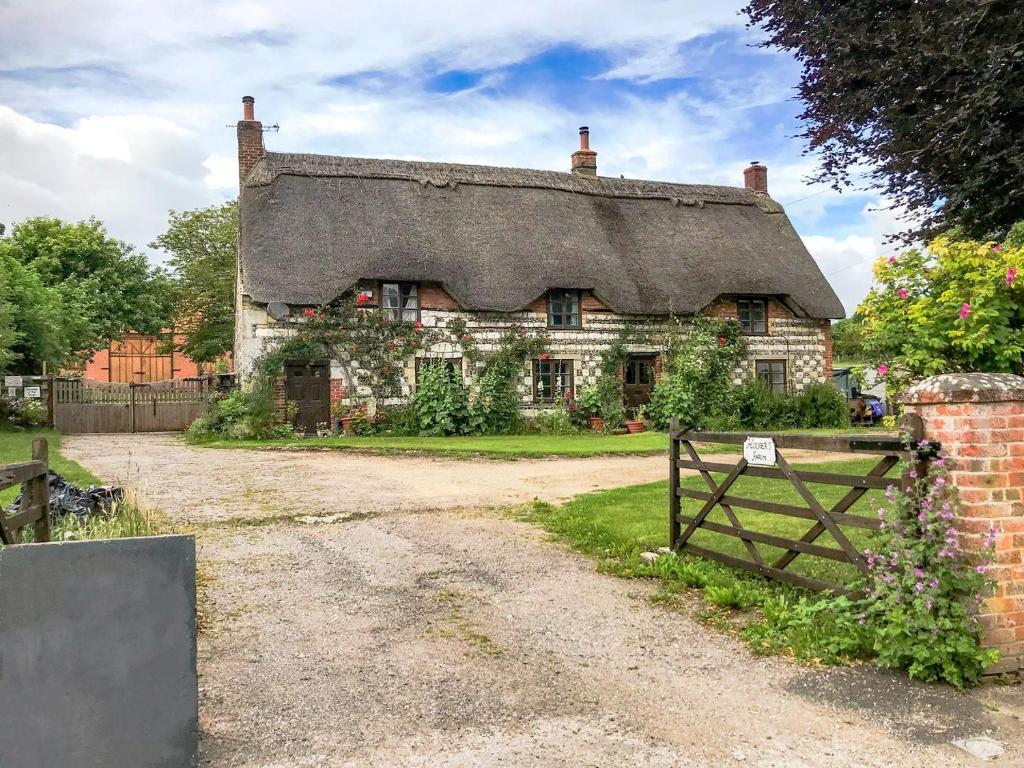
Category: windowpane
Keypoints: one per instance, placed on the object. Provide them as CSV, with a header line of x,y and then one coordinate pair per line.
x,y
753,315
564,309
773,372
552,379
400,301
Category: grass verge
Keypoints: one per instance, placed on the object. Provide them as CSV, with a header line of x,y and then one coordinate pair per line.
x,y
16,447
491,446
616,526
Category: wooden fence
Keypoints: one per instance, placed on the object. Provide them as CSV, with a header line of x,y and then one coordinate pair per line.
x,y
831,519
33,476
81,405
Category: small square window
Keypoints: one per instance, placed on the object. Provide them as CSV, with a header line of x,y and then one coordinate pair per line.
x,y
773,373
400,302
552,379
563,309
753,316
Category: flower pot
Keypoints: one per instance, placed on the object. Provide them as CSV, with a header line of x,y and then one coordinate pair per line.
x,y
345,422
596,423
635,426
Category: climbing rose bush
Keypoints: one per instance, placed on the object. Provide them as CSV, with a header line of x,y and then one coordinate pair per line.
x,y
925,589
957,306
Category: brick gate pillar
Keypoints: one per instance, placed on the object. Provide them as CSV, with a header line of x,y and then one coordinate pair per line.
x,y
979,419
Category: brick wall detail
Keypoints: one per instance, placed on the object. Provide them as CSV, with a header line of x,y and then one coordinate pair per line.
x,y
979,419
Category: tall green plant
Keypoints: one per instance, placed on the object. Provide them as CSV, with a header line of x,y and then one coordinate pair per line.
x,y
441,402
697,385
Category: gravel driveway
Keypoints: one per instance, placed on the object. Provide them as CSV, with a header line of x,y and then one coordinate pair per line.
x,y
369,611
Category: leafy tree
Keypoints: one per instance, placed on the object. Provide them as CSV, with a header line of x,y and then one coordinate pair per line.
x,y
959,306
8,334
39,329
848,339
928,93
203,245
97,289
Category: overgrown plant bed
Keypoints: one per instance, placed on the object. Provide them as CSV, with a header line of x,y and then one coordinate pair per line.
x,y
916,609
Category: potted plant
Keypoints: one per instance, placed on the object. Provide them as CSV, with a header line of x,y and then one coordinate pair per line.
x,y
323,429
636,424
590,403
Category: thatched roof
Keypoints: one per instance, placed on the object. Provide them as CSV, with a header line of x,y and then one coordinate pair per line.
x,y
497,238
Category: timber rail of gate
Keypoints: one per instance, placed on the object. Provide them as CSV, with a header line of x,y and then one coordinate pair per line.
x,y
831,519
33,477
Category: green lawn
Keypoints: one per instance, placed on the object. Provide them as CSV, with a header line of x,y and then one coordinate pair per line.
x,y
616,522
16,447
494,446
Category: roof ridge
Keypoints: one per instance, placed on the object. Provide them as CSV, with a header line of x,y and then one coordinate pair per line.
x,y
443,174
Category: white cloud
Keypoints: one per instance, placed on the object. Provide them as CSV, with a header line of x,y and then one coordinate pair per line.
x,y
126,171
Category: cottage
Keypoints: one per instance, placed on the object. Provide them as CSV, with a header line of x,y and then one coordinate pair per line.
x,y
575,253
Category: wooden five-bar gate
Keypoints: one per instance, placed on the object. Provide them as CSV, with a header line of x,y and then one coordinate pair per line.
x,y
831,519
33,477
81,405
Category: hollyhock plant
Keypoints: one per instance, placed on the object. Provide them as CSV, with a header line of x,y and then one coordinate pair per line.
x,y
924,587
1011,275
965,311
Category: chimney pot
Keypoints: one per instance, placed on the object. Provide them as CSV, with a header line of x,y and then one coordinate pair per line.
x,y
248,112
755,177
584,159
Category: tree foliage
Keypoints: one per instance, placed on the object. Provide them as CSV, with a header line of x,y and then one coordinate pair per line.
x,y
73,289
928,93
203,248
848,339
958,306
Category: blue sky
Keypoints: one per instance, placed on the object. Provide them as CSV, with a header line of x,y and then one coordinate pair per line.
x,y
122,110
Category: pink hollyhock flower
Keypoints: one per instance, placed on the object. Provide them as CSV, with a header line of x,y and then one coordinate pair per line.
x,y
965,310
1011,275
891,260
902,293
883,369
996,248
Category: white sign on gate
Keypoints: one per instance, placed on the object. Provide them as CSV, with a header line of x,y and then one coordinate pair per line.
x,y
13,381
759,451
33,392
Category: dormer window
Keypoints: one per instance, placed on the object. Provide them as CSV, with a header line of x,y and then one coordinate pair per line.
x,y
753,315
563,308
400,302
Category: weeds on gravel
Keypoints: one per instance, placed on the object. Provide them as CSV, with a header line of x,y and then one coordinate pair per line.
x,y
772,618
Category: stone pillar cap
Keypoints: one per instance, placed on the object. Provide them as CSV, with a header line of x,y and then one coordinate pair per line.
x,y
966,388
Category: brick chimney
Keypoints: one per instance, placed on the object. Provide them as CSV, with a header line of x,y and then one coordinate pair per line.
x,y
755,177
250,139
584,159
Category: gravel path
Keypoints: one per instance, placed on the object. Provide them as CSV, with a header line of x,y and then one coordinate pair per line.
x,y
387,635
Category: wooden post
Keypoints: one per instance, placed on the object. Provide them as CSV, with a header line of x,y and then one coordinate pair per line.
x,y
674,507
38,489
131,407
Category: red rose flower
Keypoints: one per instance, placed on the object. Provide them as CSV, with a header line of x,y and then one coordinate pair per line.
x,y
722,341
467,337
545,356
362,298
308,312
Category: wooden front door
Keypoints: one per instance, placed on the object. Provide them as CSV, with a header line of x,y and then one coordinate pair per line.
x,y
308,386
638,380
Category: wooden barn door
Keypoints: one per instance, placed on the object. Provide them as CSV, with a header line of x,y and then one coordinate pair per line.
x,y
308,386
